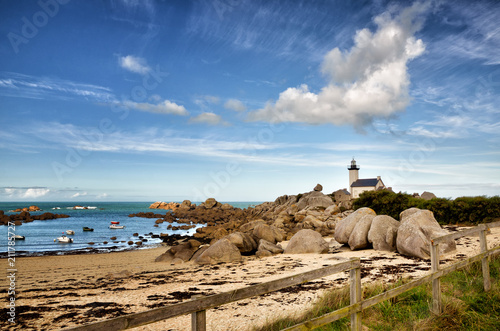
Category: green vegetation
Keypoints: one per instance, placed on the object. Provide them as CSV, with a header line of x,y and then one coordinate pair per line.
x,y
465,305
464,210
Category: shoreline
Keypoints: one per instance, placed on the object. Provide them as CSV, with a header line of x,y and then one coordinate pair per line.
x,y
81,251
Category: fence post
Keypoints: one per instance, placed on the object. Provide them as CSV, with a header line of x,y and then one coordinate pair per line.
x,y
484,261
199,320
355,296
436,283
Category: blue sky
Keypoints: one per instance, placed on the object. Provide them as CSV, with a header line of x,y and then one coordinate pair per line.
x,y
130,100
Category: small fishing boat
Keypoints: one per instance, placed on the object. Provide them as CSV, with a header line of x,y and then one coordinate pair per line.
x,y
63,239
19,237
69,232
115,222
85,228
116,226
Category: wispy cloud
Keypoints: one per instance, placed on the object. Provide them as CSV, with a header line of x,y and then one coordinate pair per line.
x,y
479,37
368,81
282,30
26,86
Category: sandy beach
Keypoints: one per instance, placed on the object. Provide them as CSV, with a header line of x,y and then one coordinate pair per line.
x,y
54,292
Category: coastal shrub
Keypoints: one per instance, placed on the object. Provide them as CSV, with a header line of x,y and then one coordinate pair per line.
x,y
463,210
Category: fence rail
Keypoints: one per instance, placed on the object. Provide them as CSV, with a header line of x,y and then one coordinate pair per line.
x,y
198,306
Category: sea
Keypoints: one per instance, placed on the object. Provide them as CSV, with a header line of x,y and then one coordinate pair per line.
x,y
40,236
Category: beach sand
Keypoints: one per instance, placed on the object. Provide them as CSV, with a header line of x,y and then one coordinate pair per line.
x,y
54,292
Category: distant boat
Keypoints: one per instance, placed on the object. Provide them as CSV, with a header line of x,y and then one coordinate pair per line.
x,y
64,239
70,232
115,226
19,237
115,222
85,228
91,207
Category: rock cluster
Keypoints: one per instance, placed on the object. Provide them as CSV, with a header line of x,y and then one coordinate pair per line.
x,y
25,217
411,236
256,230
304,219
30,208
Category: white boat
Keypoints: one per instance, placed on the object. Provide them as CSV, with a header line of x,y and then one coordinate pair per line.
x,y
68,232
116,226
19,237
64,239
91,207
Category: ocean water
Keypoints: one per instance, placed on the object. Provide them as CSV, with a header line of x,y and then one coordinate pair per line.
x,y
40,235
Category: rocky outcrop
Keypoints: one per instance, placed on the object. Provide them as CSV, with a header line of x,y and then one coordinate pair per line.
x,y
222,251
345,227
30,208
383,233
417,228
307,241
314,199
26,217
211,203
184,206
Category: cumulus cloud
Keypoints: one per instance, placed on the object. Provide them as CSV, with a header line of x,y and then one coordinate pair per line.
x,y
366,82
235,105
208,118
164,107
134,64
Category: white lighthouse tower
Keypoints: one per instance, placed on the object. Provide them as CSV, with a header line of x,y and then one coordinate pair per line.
x,y
353,173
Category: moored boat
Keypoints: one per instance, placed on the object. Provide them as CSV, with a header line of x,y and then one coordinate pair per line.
x,y
114,222
68,232
116,226
86,228
65,240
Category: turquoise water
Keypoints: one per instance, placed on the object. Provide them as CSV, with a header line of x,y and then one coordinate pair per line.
x,y
40,235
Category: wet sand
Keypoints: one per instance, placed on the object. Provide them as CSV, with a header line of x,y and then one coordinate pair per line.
x,y
54,292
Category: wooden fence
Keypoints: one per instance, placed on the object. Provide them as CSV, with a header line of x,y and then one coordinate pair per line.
x,y
198,306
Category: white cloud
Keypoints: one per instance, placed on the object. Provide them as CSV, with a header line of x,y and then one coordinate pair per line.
x,y
134,64
165,107
26,192
208,118
366,82
235,105
79,194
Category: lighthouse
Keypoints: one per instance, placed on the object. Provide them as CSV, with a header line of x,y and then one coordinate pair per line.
x,y
353,173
